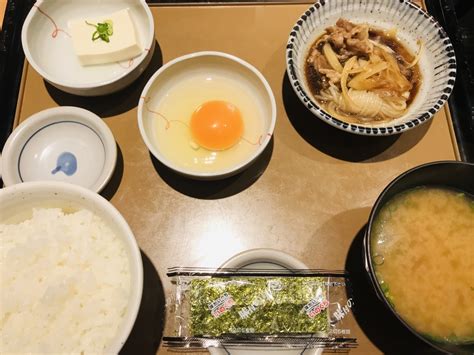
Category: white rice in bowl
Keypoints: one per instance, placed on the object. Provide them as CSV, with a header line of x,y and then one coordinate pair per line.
x,y
65,283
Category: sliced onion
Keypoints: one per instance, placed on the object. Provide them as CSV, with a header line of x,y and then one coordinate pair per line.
x,y
332,58
368,71
418,55
344,75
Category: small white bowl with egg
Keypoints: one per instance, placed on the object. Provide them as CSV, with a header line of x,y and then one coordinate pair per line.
x,y
63,44
207,115
75,276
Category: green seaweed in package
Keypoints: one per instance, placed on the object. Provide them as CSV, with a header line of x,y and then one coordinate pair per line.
x,y
260,306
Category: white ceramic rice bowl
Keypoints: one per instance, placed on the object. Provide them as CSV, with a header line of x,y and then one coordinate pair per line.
x,y
17,202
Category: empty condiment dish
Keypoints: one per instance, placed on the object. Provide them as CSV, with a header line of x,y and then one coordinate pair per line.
x,y
67,144
51,49
207,115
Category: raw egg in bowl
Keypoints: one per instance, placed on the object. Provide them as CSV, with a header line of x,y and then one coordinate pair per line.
x,y
207,115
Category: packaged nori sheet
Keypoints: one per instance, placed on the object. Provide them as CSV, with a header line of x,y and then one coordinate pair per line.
x,y
269,305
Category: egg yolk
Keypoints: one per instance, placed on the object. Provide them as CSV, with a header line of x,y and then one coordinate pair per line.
x,y
216,125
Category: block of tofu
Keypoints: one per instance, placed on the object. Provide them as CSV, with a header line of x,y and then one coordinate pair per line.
x,y
123,42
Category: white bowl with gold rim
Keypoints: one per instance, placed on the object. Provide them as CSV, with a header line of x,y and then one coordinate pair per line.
x,y
175,92
48,45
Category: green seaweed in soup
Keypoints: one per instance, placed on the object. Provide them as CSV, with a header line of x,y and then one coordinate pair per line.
x,y
422,245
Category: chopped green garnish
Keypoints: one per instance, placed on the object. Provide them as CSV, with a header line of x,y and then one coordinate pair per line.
x,y
103,30
390,299
450,339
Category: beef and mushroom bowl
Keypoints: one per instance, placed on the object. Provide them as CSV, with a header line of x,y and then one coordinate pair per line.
x,y
362,74
370,67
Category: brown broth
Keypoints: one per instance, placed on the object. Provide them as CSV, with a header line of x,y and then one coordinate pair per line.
x,y
315,80
403,52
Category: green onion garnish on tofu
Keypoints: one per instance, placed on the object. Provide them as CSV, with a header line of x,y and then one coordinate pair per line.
x,y
103,30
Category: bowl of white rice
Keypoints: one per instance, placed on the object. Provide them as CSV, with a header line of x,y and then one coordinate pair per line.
x,y
70,270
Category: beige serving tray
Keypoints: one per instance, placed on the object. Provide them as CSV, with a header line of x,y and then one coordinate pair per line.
x,y
3,6
310,194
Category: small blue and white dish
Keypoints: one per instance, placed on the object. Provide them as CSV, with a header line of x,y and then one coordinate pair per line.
x,y
67,144
412,25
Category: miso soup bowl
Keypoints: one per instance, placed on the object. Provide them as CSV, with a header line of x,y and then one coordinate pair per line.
x,y
451,174
437,62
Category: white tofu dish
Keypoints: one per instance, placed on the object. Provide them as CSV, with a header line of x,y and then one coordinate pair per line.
x,y
106,39
89,47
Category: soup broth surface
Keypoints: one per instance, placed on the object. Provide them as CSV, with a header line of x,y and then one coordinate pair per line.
x,y
423,252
